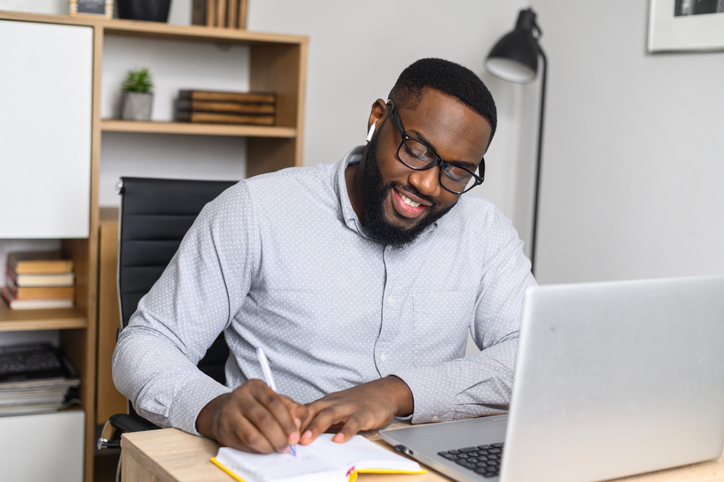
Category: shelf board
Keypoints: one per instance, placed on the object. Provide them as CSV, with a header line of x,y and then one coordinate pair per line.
x,y
161,30
197,129
31,320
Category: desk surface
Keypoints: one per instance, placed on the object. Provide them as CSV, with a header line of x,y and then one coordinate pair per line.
x,y
172,455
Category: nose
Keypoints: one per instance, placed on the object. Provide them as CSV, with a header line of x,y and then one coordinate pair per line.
x,y
427,181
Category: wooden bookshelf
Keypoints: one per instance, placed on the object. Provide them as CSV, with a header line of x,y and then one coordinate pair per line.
x,y
277,63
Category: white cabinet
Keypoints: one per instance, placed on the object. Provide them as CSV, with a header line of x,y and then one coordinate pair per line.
x,y
46,80
43,447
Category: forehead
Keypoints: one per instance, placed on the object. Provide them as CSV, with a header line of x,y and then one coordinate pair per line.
x,y
454,130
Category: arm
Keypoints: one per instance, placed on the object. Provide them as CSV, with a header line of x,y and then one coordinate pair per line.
x,y
480,384
154,363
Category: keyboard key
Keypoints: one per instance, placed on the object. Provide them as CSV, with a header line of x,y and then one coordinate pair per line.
x,y
468,449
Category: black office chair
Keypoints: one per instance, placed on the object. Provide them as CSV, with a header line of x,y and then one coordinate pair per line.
x,y
155,215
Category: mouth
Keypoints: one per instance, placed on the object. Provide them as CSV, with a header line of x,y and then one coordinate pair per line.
x,y
405,206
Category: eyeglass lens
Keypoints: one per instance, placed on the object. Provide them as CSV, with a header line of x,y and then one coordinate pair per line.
x,y
417,155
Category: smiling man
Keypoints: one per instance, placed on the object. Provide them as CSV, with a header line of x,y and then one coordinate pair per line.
x,y
361,279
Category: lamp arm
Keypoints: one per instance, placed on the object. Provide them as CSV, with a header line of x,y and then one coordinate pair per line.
x,y
538,158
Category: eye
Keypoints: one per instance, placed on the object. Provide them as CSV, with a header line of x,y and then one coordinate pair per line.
x,y
415,149
457,174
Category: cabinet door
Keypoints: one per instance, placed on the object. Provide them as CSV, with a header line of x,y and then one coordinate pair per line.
x,y
46,78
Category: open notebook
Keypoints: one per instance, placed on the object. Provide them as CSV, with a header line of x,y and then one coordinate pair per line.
x,y
321,461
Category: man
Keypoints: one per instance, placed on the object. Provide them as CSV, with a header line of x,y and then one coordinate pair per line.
x,y
360,280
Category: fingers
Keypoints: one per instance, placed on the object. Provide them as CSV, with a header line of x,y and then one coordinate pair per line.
x,y
350,417
355,423
300,413
256,419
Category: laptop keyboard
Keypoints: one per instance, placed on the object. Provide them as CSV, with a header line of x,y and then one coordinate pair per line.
x,y
482,459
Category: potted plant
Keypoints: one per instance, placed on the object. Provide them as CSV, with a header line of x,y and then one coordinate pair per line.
x,y
137,95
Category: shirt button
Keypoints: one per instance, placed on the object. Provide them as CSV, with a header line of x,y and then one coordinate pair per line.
x,y
383,357
434,418
390,300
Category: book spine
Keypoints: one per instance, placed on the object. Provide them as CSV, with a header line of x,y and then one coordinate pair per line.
x,y
227,107
231,19
208,95
42,292
210,13
215,118
242,14
44,267
221,13
198,12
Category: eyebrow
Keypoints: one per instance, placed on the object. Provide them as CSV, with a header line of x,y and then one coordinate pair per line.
x,y
467,165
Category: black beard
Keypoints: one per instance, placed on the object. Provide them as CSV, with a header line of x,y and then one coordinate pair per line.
x,y
376,225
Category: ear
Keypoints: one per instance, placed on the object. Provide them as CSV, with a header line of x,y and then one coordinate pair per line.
x,y
379,108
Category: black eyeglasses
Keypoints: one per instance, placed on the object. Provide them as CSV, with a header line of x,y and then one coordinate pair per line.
x,y
417,155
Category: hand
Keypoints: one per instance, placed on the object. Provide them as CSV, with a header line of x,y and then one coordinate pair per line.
x,y
364,407
253,418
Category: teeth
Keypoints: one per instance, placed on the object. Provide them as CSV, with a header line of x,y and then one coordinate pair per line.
x,y
408,201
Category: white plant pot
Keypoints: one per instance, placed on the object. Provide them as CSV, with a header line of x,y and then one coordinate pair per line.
x,y
137,106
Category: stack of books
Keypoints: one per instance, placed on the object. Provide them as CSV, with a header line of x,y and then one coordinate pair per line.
x,y
37,280
213,107
219,13
36,378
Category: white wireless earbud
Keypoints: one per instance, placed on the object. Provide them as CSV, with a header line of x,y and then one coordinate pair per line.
x,y
372,131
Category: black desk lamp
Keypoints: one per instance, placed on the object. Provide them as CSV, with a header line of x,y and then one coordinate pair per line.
x,y
515,59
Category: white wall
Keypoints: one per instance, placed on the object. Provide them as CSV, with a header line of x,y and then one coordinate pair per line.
x,y
633,161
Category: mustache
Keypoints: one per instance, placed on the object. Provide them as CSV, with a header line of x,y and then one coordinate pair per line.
x,y
413,190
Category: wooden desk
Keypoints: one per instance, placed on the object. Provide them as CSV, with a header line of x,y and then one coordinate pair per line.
x,y
172,455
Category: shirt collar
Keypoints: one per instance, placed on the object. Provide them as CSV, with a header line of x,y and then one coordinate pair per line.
x,y
354,156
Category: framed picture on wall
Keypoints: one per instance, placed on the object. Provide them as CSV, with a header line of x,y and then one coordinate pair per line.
x,y
95,8
694,25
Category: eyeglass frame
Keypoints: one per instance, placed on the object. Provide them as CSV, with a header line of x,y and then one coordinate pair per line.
x,y
439,161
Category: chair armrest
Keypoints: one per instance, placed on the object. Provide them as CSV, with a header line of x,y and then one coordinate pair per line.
x,y
130,423
119,424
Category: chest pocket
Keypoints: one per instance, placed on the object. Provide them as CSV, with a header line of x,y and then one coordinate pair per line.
x,y
442,319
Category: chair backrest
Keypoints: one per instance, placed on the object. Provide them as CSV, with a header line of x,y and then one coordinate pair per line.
x,y
154,217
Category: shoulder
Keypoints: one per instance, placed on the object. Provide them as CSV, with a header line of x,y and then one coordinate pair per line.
x,y
292,178
478,214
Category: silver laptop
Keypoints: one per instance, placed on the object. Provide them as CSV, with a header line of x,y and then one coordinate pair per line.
x,y
612,379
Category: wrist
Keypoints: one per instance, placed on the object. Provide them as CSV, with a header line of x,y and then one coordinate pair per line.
x,y
404,401
207,419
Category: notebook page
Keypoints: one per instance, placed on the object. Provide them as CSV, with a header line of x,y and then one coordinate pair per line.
x,y
308,465
360,453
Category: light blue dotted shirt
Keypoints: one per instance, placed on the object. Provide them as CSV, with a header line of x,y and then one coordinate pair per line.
x,y
281,260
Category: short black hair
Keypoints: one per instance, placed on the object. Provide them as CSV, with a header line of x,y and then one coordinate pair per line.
x,y
449,78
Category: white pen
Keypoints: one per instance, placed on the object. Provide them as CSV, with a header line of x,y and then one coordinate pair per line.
x,y
269,379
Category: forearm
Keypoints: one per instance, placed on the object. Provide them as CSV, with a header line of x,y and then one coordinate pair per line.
x,y
164,386
472,386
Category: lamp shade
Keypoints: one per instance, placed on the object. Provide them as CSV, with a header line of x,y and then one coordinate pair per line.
x,y
515,57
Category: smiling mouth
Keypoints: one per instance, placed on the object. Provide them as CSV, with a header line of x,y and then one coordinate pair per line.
x,y
406,207
408,201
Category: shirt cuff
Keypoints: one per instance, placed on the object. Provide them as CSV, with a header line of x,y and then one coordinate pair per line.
x,y
432,393
191,399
